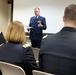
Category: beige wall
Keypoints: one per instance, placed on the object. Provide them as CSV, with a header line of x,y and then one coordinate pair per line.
x,y
5,9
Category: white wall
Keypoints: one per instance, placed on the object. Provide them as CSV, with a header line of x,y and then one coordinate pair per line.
x,y
53,10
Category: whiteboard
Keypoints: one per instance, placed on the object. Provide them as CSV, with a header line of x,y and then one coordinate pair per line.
x,y
52,10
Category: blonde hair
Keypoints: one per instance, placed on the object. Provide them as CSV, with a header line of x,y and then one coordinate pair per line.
x,y
15,32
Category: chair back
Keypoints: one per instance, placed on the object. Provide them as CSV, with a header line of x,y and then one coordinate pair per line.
x,y
35,72
10,69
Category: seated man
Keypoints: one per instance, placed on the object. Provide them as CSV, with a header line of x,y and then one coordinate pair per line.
x,y
58,52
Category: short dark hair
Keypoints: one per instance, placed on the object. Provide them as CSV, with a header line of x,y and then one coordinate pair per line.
x,y
70,12
36,8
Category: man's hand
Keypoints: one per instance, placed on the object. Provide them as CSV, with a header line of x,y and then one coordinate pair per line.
x,y
40,25
28,29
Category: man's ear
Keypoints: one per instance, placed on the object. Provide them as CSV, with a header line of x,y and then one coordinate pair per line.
x,y
63,18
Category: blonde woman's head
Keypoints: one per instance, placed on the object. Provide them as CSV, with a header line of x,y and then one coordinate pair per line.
x,y
15,32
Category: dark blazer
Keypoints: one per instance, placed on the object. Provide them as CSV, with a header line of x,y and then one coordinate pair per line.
x,y
16,54
58,53
2,39
36,32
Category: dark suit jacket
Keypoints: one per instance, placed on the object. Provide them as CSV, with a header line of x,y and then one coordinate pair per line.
x,y
36,32
16,54
2,39
58,53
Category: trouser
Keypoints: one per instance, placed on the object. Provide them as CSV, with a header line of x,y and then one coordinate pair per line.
x,y
36,43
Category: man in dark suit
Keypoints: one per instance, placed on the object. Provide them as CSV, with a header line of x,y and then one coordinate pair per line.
x,y
58,52
37,24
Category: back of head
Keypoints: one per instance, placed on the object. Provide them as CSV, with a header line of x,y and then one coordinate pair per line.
x,y
70,13
15,32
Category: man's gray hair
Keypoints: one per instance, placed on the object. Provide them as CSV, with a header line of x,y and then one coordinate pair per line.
x,y
36,8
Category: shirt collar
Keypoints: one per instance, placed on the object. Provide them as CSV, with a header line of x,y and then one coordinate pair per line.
x,y
37,16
